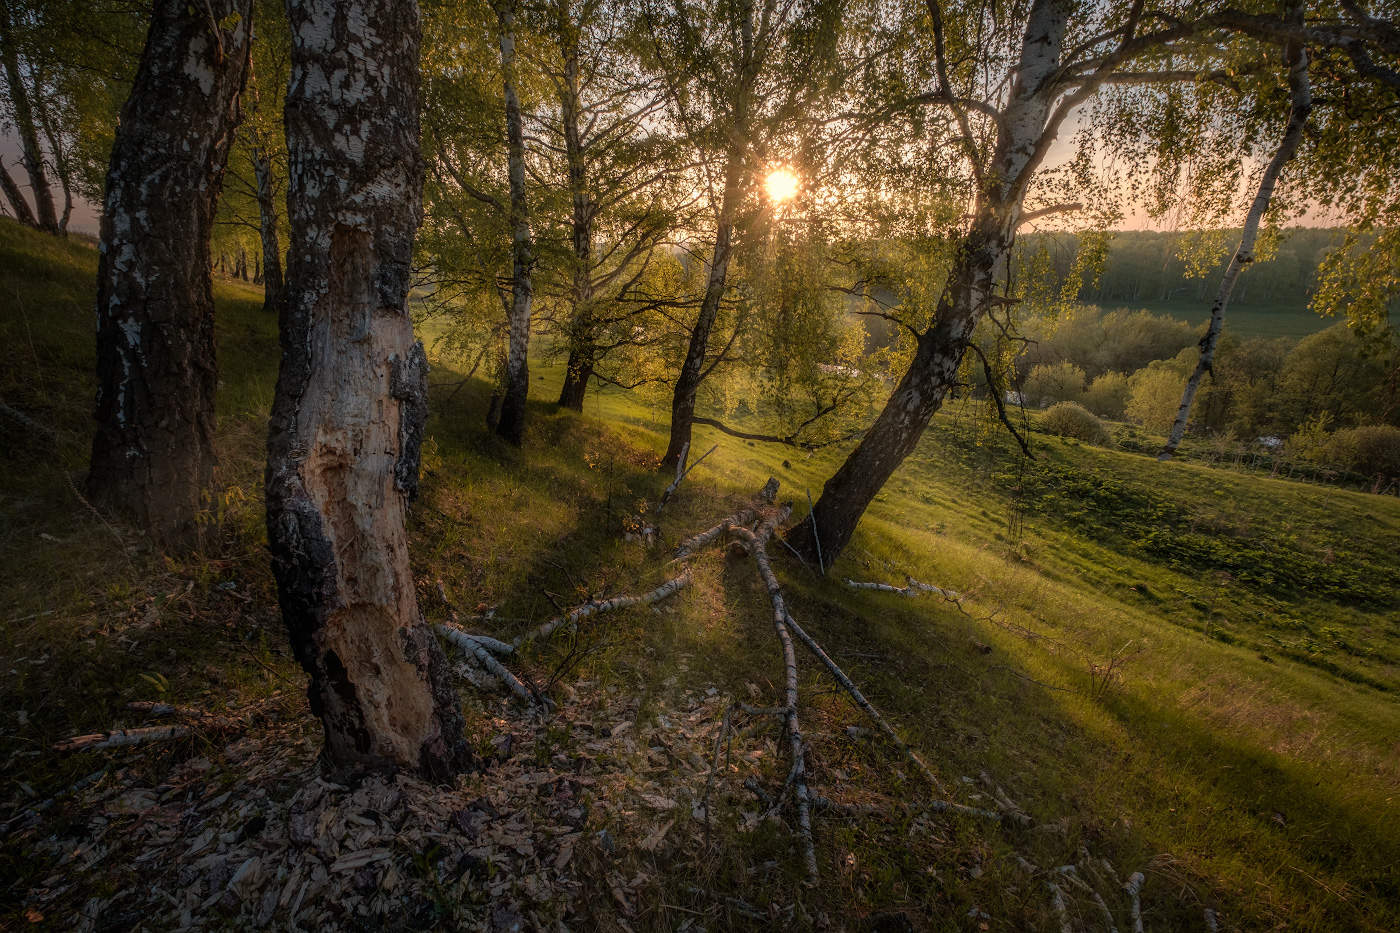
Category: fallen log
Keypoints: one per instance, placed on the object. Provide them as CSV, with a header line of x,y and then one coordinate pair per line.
x,y
739,519
911,588
471,646
597,607
120,738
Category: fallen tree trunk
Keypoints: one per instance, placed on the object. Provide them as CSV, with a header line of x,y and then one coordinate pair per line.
x,y
593,608
912,588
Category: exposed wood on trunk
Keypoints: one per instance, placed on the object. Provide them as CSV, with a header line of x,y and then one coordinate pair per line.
x,y
22,111
510,419
153,453
347,420
1300,92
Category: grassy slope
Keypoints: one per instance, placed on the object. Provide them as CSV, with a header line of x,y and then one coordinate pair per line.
x,y
1247,751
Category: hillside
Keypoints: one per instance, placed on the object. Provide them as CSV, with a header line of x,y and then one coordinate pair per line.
x,y
1172,669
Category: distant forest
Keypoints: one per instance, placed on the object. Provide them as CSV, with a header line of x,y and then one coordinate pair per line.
x,y
1148,268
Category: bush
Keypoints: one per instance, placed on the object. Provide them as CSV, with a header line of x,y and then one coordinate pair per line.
x,y
1155,397
1054,382
1107,396
1371,449
1069,419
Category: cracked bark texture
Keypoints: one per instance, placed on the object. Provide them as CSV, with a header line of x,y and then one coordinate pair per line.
x,y
153,453
980,259
351,396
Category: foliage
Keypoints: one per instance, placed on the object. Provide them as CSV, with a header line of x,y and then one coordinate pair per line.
x,y
1054,382
1107,395
1372,449
1070,419
1154,395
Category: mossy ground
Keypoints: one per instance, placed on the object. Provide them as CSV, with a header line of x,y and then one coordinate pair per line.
x,y
1184,669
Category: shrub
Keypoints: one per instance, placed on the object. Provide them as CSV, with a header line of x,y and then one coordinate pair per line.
x,y
1069,419
1107,396
1054,382
1371,449
1155,397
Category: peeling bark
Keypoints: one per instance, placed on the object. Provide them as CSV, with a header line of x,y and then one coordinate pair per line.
x,y
510,419
1300,92
153,453
351,398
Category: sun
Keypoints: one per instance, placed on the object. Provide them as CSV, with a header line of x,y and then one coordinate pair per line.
x,y
781,185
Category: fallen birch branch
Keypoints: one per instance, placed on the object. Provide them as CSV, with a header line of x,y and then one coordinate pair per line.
x,y
597,607
739,519
911,589
682,471
864,704
121,738
1134,889
471,646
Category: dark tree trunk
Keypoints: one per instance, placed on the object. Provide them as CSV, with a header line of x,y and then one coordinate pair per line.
x,y
153,453
1022,141
62,164
693,369
267,227
16,198
511,422
583,338
351,399
22,111
901,423
576,379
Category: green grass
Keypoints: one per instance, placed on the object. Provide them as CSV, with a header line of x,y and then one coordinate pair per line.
x,y
1294,320
1245,751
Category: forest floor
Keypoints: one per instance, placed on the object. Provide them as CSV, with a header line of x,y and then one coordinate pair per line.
x,y
1172,669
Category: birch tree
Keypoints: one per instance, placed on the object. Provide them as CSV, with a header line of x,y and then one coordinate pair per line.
x,y
153,452
351,399
19,91
1300,106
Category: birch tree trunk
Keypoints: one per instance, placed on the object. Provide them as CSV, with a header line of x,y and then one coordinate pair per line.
x,y
692,369
16,198
21,109
510,423
153,453
267,231
980,259
1300,92
351,399
582,336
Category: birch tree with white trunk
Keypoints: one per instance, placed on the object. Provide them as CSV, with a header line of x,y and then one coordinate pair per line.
x,y
153,452
347,419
